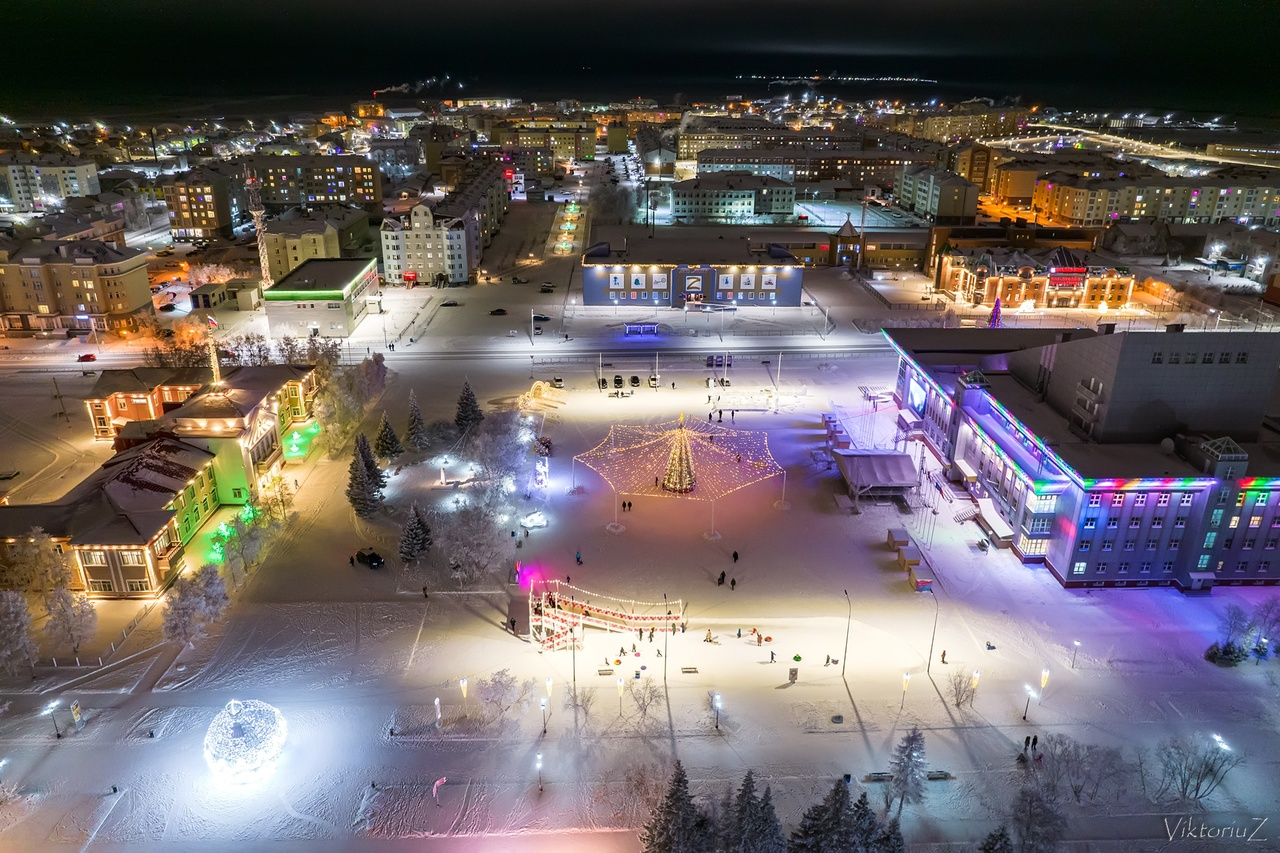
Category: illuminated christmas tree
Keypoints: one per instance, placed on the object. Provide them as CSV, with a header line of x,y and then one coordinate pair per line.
x,y
994,322
680,476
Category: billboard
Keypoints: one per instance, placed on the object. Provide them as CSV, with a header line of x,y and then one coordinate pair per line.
x,y
659,280
637,281
726,282
748,281
693,282
769,281
616,281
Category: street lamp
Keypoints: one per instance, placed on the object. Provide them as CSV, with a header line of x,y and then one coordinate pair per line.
x,y
539,771
973,684
929,663
619,697
1031,694
438,715
844,660
1075,652
716,704
48,709
906,679
549,687
664,638
544,715
462,684
1044,682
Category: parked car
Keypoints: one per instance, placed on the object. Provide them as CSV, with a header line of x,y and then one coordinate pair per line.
x,y
719,361
88,356
653,380
515,279
711,361
449,303
165,333
557,382
168,306
541,318
537,330
498,312
635,381
370,558
617,380
547,288
604,383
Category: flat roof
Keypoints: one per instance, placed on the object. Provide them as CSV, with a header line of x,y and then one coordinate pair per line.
x,y
316,275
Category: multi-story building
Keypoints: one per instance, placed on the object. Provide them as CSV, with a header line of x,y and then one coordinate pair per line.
x,y
1044,278
1013,179
1245,151
939,195
307,179
326,232
732,196
657,156
205,203
479,199
323,297
105,227
973,121
1132,459
1246,197
39,183
397,158
424,248
698,133
574,142
800,164
140,394
82,284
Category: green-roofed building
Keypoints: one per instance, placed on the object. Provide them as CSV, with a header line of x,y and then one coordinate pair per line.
x,y
323,297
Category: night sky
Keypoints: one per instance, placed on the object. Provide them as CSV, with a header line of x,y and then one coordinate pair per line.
x,y
1216,55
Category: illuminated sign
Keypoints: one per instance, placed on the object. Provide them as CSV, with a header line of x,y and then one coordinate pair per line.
x,y
1067,276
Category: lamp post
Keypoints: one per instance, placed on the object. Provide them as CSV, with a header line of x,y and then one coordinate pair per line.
x,y
664,638
906,680
848,624
549,683
48,709
973,684
462,685
539,771
1075,652
1031,694
544,715
438,714
531,359
716,704
929,663
1044,682
619,697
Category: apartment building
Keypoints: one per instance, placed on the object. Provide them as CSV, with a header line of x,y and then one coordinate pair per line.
x,y
1013,177
480,199
802,164
308,179
567,142
205,203
941,196
40,183
732,196
1132,459
973,122
1245,151
325,232
657,156
698,133
87,285
1243,196
422,248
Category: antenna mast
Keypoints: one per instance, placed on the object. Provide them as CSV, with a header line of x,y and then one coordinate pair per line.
x,y
259,214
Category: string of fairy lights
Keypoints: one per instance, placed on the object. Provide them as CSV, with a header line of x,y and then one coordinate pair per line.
x,y
244,740
681,459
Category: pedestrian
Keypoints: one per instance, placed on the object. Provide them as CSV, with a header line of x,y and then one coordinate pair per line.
x,y
733,414
622,650
708,417
424,592
295,484
1026,743
944,655
659,652
759,639
708,398
720,580
656,481
739,458
739,633
651,633
351,560
708,639
735,557
568,579
633,648
577,556
828,663
1035,741
683,627
673,386
628,506
733,583
513,626
773,656
640,633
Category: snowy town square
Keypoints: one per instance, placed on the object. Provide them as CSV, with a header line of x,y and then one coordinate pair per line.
x,y
506,610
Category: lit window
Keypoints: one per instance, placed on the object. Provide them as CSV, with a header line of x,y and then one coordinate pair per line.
x,y
1078,568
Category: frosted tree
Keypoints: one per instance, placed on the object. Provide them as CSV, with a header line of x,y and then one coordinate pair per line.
x,y
183,610
415,537
997,841
890,839
751,825
290,349
827,826
1037,823
676,825
470,543
500,692
766,832
72,619
1192,768
375,474
469,415
16,646
647,695
213,592
995,322
498,453
907,766
362,494
864,826
579,700
386,443
34,563
416,436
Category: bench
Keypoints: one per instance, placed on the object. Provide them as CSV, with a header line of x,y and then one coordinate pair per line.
x,y
689,670
938,775
878,777
604,672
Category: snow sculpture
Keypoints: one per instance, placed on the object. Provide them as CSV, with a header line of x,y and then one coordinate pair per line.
x,y
244,740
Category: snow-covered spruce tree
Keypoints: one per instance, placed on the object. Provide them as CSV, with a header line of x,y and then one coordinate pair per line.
x,y
16,647
415,433
386,443
766,833
213,592
890,838
377,477
828,825
469,415
743,814
907,766
364,497
415,538
866,827
182,612
72,619
677,826
997,841
426,528
1037,823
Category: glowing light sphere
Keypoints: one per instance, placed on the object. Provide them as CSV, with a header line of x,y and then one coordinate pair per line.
x,y
244,740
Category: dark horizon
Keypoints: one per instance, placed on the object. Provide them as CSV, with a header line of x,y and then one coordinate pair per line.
x,y
1089,54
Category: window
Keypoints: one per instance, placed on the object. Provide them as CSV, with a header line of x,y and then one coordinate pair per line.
x,y
1139,500
1144,568
1046,503
1242,358
1186,499
1180,522
1239,497
1108,544
1122,569
1174,544
1157,523
1249,542
1207,358
1152,544
1078,568
1162,499
1095,500
1129,543
1242,566
1261,498
1223,494
1090,523
1135,523
1255,522
237,493
1235,522
132,558
100,586
1216,518
143,585
93,558
1113,523
1264,566
1175,358
1102,568
1210,539
1084,545
1041,525
1157,358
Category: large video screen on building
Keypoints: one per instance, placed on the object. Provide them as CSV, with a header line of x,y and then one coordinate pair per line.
x,y
915,396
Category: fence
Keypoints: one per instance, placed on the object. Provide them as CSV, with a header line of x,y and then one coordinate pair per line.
x,y
103,660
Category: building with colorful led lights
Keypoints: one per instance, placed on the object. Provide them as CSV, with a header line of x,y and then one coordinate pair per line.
x,y
1042,278
324,297
1114,459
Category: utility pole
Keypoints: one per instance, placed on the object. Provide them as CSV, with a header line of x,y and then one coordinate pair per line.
x,y
57,395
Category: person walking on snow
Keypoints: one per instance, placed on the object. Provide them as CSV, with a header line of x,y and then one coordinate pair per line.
x,y
733,583
944,655
708,639
735,556
720,580
773,657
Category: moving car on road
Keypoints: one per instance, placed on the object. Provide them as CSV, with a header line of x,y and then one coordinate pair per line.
x,y
541,318
449,303
88,356
498,312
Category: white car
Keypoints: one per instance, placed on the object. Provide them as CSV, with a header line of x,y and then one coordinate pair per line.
x,y
534,519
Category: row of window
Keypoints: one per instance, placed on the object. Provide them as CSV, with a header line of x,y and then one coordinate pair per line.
x,y
1140,498
1201,358
1123,568
99,558
142,585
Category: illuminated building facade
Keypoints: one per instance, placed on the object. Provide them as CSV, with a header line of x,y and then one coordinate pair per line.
x,y
307,179
86,285
1044,278
204,203
1238,195
1116,460
40,183
732,197
140,394
323,297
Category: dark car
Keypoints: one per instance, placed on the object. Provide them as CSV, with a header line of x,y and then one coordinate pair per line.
x,y
635,381
547,288
604,383
617,380
541,318
498,312
515,279
449,303
168,306
88,356
370,558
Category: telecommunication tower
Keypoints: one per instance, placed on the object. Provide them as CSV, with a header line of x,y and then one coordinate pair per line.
x,y
259,214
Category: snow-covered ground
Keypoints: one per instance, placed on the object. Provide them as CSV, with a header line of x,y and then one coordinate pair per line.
x,y
355,660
